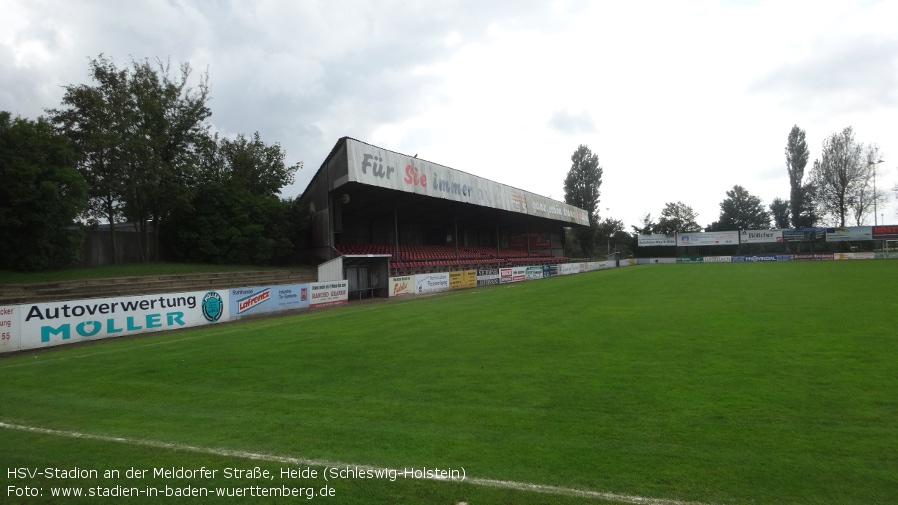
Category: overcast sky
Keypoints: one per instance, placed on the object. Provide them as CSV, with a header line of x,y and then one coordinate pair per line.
x,y
681,100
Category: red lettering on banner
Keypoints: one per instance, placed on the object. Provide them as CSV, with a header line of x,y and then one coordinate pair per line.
x,y
412,177
400,287
254,300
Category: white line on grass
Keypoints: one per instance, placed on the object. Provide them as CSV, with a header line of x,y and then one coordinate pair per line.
x,y
273,458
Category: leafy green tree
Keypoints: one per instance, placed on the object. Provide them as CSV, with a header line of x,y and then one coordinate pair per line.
x,y
779,211
839,175
41,197
171,116
797,154
612,237
741,210
236,215
677,218
648,225
248,163
97,119
137,131
227,224
582,189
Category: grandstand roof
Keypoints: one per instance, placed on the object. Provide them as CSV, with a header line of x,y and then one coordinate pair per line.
x,y
380,180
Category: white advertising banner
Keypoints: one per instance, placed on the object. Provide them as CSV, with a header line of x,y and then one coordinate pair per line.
x,y
849,234
854,256
431,283
488,277
534,273
10,333
718,259
256,300
402,285
505,275
325,294
708,238
54,323
656,239
761,236
387,169
568,268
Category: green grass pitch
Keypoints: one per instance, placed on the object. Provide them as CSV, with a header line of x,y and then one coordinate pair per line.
x,y
716,384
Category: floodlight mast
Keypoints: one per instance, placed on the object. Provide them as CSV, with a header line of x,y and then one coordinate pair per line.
x,y
874,188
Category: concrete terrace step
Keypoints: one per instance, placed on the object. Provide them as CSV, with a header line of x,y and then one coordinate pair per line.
x,y
127,286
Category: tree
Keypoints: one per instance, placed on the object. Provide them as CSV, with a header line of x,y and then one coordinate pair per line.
x,y
235,215
839,175
648,225
171,117
96,120
797,155
779,211
677,218
137,131
581,189
740,210
41,197
250,164
612,235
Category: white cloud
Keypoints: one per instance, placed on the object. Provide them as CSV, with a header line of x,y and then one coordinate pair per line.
x,y
680,101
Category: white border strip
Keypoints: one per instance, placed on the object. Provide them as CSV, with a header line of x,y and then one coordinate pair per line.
x,y
503,484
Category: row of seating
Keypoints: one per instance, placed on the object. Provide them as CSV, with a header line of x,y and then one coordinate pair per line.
x,y
407,253
412,259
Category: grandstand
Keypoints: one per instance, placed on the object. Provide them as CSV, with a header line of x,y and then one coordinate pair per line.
x,y
366,200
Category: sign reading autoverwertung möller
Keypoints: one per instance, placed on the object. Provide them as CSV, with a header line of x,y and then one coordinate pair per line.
x,y
54,323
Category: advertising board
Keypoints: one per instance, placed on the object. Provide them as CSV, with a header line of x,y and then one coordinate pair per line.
x,y
292,296
402,285
854,256
10,333
505,275
533,273
810,257
488,276
568,268
252,300
849,234
54,323
656,239
885,232
463,279
760,236
329,293
431,283
708,238
374,166
803,234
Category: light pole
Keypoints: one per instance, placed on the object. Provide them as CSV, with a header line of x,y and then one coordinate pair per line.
x,y
608,243
874,188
